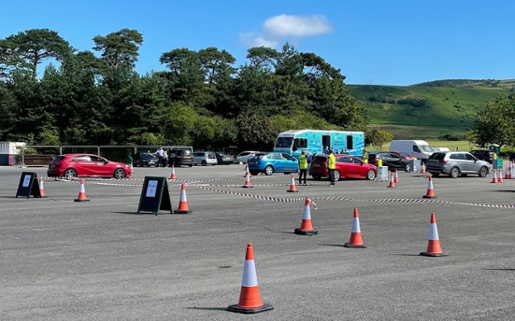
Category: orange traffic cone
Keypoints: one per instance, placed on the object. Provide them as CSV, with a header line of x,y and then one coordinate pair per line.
x,y
433,245
509,170
183,202
423,170
494,177
396,178
392,181
247,181
41,187
306,228
246,169
293,188
430,191
250,299
82,193
499,179
355,237
172,175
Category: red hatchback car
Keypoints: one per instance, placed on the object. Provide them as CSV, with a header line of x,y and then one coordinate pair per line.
x,y
346,167
86,165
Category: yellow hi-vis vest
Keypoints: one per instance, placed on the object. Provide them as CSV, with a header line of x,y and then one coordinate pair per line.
x,y
303,162
331,162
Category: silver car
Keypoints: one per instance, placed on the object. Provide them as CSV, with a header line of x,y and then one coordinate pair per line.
x,y
456,164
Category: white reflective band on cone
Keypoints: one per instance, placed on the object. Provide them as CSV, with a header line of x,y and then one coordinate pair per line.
x,y
433,232
249,274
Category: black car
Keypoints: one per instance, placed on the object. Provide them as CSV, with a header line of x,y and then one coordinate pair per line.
x,y
145,159
224,159
392,160
180,157
483,154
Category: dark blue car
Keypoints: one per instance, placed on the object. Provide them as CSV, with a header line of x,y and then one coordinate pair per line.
x,y
273,163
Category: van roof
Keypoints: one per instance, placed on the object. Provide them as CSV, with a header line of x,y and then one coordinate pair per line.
x,y
300,131
422,142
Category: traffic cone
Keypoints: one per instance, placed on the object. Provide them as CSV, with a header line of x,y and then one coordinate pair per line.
x,y
246,169
396,178
494,177
293,188
41,187
509,174
306,228
430,191
82,193
250,299
247,181
499,179
433,245
355,237
392,181
183,202
423,170
173,176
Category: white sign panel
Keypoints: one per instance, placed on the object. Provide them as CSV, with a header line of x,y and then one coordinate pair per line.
x,y
26,180
151,188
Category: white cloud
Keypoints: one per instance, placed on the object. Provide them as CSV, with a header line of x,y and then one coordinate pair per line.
x,y
282,27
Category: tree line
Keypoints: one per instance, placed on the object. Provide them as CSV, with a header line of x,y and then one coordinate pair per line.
x,y
202,98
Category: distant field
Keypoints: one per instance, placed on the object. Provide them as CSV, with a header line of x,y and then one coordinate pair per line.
x,y
416,132
461,144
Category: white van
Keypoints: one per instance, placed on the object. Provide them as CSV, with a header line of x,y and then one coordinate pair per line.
x,y
416,148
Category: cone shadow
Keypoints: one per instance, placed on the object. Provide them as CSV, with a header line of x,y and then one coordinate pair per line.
x,y
499,269
504,190
207,308
134,213
404,254
333,245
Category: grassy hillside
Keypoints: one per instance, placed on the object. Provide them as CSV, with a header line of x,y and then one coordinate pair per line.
x,y
428,110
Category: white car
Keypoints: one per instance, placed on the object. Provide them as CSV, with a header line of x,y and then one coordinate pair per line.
x,y
243,157
204,158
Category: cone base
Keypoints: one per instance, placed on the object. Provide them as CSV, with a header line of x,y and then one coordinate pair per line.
x,y
177,211
432,254
78,200
428,196
247,186
355,246
237,309
390,186
43,196
292,191
298,231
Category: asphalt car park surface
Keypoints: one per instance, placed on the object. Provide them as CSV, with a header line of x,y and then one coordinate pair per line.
x,y
99,260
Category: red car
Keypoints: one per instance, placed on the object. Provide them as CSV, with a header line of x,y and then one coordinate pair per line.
x,y
346,167
86,165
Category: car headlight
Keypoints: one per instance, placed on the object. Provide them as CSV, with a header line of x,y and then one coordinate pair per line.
x,y
127,166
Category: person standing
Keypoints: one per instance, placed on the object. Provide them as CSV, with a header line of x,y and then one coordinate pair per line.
x,y
365,156
160,154
165,158
331,166
303,168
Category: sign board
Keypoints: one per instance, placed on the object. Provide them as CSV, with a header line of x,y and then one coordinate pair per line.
x,y
154,195
382,173
28,185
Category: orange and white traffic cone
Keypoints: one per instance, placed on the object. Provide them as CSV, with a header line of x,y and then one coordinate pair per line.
x,y
250,300
41,187
172,175
82,193
306,227
396,178
247,181
183,203
423,170
246,170
430,190
293,188
433,245
355,237
392,181
499,179
509,170
494,177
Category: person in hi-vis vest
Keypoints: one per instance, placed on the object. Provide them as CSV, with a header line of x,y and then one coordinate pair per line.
x,y
331,166
303,167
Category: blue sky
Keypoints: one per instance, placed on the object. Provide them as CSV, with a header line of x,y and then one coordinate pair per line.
x,y
388,42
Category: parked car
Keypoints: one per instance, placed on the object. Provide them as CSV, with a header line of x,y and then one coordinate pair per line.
x,y
224,159
456,164
403,155
483,154
391,159
243,157
179,157
145,159
204,158
346,167
273,163
87,165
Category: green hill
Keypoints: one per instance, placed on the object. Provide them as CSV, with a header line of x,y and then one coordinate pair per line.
x,y
431,109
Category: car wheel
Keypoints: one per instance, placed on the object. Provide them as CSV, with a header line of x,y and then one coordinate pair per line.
x,y
435,174
119,173
269,170
188,165
316,177
407,168
336,176
253,173
483,171
213,164
371,174
70,173
203,163
455,172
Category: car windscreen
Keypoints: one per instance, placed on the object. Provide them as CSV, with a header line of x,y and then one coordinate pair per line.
x,y
284,142
425,148
320,159
57,159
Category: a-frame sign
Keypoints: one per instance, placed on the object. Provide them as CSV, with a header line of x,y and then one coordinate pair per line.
x,y
155,195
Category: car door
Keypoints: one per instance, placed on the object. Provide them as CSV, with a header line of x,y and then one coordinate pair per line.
x,y
344,166
291,163
100,167
82,165
473,165
197,158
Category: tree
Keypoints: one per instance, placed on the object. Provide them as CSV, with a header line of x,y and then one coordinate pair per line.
x,y
493,123
119,48
263,57
374,136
